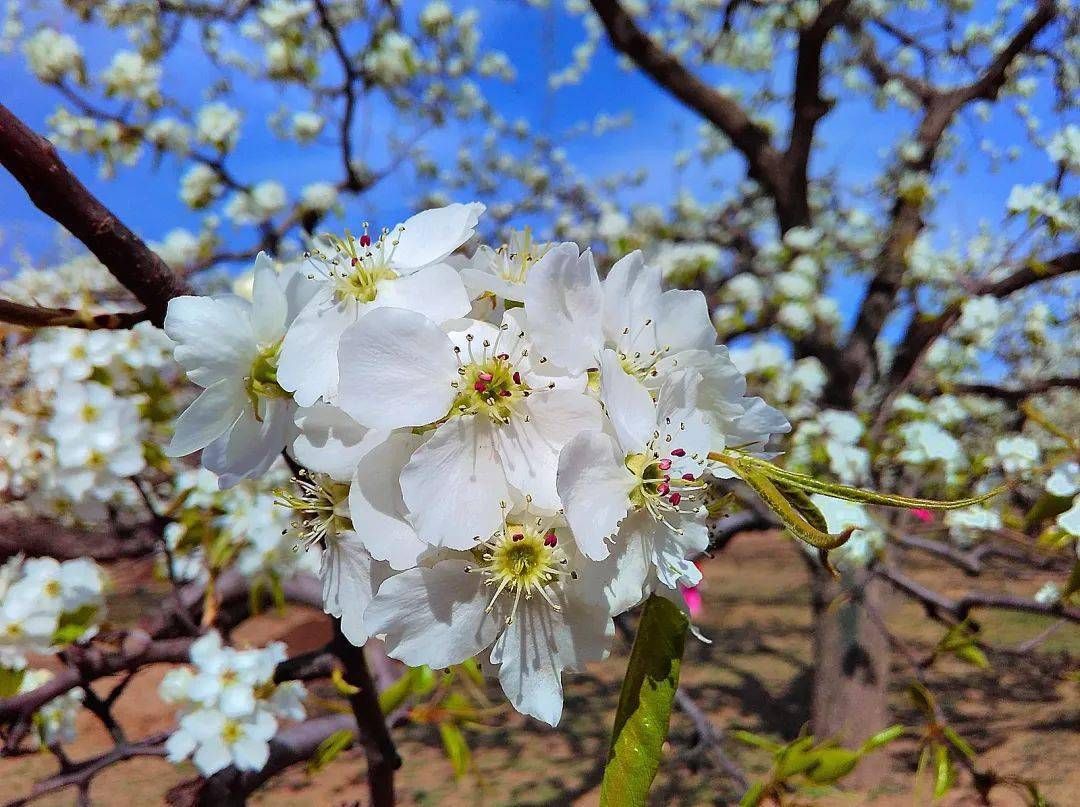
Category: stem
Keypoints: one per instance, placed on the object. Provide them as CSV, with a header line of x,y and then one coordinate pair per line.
x,y
382,756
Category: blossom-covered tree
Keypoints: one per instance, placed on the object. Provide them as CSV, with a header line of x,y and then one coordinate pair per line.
x,y
485,458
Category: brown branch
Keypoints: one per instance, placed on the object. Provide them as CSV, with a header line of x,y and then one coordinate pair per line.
x,y
750,138
58,193
42,537
33,316
906,221
1015,395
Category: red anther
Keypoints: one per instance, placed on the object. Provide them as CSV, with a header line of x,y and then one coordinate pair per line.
x,y
550,539
517,536
663,488
365,240
688,477
664,464
486,377
354,261
675,498
517,377
506,393
503,356
479,386
678,452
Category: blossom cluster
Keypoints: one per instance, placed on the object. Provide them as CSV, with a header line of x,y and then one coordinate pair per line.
x,y
500,452
45,604
229,705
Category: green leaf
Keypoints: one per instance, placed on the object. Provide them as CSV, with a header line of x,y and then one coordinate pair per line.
x,y
328,749
756,740
73,624
753,796
337,678
833,764
457,749
945,776
10,681
923,700
789,515
851,494
973,655
802,502
797,757
958,742
882,738
641,722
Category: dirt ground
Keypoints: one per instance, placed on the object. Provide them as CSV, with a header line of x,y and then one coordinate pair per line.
x,y
1021,716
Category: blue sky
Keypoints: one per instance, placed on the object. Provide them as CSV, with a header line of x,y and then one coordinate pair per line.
x,y
851,139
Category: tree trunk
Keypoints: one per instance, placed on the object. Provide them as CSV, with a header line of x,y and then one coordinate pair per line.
x,y
851,668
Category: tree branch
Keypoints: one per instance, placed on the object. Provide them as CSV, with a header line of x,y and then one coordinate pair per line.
x,y
32,316
58,193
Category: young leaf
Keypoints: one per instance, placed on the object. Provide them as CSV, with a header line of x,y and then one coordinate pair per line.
x,y
328,749
641,722
753,796
457,749
833,764
958,742
882,738
945,776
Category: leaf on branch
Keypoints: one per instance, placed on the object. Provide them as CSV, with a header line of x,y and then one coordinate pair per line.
x,y
329,749
641,722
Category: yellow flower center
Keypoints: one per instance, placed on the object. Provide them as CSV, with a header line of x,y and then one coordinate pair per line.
x,y
522,560
320,505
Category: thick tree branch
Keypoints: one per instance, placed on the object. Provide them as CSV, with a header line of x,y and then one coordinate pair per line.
x,y
42,537
33,316
751,139
58,193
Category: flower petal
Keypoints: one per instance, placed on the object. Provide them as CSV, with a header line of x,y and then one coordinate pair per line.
x,y
308,362
431,235
594,485
268,304
330,441
631,291
213,336
376,506
454,485
628,404
350,579
434,616
564,304
207,417
529,450
396,369
435,291
251,446
683,321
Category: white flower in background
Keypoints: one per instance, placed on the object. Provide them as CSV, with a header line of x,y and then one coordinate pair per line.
x,y
927,443
169,134
403,269
393,60
865,543
199,186
1064,480
54,723
259,204
519,593
1070,521
54,56
306,126
129,75
967,526
501,420
229,346
1017,454
282,15
214,741
1049,594
218,125
319,197
1064,147
980,317
503,271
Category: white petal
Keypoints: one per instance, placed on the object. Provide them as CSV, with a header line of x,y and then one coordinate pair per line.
x,y
237,700
207,417
350,579
529,451
431,235
594,485
179,746
330,441
376,506
268,304
434,616
204,725
682,423
211,757
454,484
631,291
251,446
628,404
564,304
396,368
534,650
213,336
683,321
435,291
308,363
250,753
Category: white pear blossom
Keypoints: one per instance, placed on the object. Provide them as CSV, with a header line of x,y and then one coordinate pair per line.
x,y
230,347
404,268
503,271
500,420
